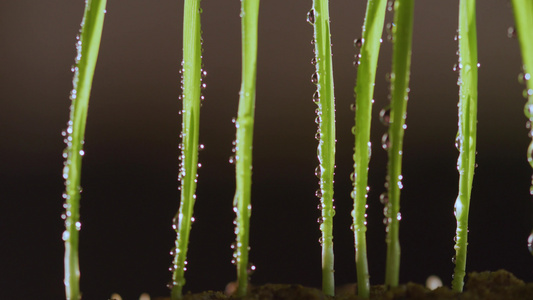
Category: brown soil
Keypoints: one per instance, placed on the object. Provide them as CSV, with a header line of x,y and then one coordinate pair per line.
x,y
499,285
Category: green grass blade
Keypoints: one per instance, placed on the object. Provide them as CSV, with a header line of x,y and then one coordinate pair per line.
x,y
245,127
466,135
191,80
364,91
523,14
402,35
87,46
324,97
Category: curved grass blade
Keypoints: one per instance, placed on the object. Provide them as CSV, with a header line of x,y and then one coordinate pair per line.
x,y
245,126
466,135
364,91
523,14
324,97
191,81
87,46
402,35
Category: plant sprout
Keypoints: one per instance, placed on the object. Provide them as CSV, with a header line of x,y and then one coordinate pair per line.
x,y
466,135
243,143
318,16
191,84
364,90
87,47
523,14
402,35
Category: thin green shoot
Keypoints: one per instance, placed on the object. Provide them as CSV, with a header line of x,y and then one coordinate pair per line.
x,y
324,97
523,14
402,35
191,85
87,46
466,135
243,144
364,90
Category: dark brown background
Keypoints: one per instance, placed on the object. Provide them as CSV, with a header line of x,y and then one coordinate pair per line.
x,y
130,167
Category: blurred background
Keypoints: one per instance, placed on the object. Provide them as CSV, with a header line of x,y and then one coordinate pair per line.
x,y
130,187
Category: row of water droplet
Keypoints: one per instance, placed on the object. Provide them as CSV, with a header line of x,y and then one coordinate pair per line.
x,y
524,78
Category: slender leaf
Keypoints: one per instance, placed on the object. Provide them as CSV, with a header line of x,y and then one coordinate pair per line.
x,y
87,46
466,135
402,35
191,81
245,127
364,91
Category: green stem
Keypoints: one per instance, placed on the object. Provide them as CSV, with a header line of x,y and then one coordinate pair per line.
x,y
191,80
319,17
245,127
87,46
466,135
402,34
364,91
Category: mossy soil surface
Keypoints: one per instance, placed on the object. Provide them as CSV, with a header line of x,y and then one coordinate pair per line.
x,y
499,285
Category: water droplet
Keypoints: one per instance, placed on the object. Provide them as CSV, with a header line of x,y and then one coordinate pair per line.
x,y
311,17
385,141
458,142
358,43
357,59
384,116
318,172
511,32
384,198
454,259
320,220
313,61
82,153
388,29
390,5
66,236
251,269
316,97
231,159
314,78
318,193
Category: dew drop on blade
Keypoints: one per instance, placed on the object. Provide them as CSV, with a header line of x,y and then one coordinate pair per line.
x,y
530,243
311,17
358,43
